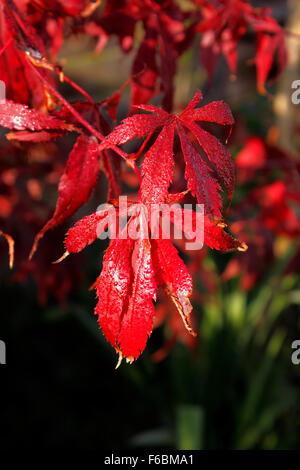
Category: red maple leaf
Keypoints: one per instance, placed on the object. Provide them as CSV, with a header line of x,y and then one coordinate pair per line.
x,y
203,172
134,268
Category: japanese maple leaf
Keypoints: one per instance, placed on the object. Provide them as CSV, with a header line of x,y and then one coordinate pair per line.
x,y
222,27
203,175
134,268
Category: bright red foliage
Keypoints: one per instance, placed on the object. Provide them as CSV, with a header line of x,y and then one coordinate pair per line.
x,y
224,24
20,117
274,206
133,270
198,172
76,183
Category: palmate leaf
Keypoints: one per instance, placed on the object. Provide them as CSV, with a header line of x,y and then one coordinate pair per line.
x,y
132,269
158,164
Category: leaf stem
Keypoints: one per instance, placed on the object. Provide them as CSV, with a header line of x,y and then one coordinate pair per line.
x,y
76,87
73,111
6,45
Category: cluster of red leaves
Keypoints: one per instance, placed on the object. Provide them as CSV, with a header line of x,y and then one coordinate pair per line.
x,y
268,211
25,179
169,30
226,21
133,269
35,111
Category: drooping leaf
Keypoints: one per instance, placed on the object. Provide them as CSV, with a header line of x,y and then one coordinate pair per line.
x,y
171,272
267,46
112,288
76,183
137,322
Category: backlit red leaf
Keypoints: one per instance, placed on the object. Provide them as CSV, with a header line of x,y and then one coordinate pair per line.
x,y
138,125
112,288
157,169
171,272
137,322
85,231
76,183
199,178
